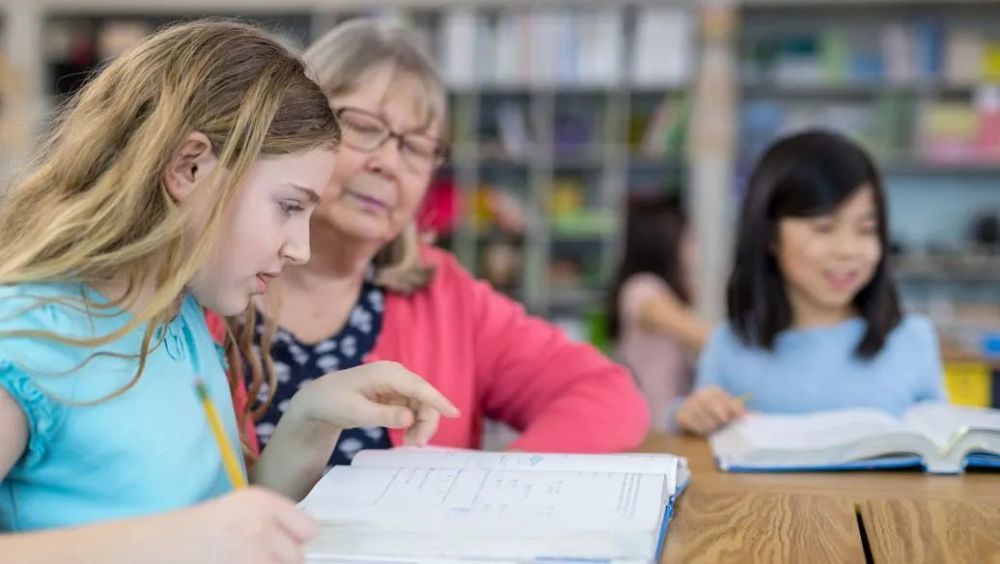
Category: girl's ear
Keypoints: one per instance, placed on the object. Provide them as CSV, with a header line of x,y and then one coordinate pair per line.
x,y
191,162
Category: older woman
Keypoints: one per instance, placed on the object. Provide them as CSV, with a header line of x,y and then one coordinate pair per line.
x,y
371,291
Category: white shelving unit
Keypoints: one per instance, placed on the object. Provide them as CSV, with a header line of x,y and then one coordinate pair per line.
x,y
605,168
710,91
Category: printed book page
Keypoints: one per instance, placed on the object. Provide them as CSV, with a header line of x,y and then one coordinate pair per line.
x,y
802,432
941,423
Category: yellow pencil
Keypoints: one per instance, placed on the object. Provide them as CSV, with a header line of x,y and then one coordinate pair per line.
x,y
229,459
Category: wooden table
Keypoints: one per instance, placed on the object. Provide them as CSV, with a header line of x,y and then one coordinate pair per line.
x,y
919,530
897,516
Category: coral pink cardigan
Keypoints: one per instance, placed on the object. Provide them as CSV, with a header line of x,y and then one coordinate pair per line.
x,y
491,359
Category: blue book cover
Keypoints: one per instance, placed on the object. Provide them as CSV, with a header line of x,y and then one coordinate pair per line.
x,y
668,514
887,463
982,461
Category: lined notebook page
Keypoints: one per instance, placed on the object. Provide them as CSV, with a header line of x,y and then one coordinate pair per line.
x,y
414,457
474,499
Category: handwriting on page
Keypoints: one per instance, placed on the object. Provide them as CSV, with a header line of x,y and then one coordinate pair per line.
x,y
441,458
475,498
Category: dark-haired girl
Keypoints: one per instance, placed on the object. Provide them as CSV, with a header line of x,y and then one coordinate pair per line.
x,y
814,317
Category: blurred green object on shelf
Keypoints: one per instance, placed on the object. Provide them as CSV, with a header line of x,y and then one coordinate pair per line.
x,y
596,321
584,223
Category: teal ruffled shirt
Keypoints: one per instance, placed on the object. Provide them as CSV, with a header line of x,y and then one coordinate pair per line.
x,y
145,451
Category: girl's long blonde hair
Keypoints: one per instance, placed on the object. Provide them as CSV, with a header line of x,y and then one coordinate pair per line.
x,y
92,206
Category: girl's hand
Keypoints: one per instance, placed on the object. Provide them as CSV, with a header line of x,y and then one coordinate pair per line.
x,y
382,394
248,526
708,409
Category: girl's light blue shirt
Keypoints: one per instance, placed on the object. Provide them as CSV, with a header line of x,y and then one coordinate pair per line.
x,y
145,451
816,369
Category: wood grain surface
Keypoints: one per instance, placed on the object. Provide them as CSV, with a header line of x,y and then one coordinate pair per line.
x,y
748,527
922,530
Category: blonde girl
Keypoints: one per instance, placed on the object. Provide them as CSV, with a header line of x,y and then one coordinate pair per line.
x,y
183,176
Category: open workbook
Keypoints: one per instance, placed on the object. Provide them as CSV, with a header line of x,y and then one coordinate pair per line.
x,y
442,505
942,438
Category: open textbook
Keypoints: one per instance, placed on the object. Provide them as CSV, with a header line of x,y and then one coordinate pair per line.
x,y
942,438
443,505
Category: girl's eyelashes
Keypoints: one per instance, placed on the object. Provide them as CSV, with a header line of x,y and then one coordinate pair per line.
x,y
290,207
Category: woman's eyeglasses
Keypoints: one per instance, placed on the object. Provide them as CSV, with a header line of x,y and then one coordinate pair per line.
x,y
367,131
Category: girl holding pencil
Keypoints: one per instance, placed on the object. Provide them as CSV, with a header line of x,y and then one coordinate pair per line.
x,y
182,176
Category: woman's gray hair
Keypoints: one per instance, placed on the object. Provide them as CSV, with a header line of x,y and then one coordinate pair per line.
x,y
341,61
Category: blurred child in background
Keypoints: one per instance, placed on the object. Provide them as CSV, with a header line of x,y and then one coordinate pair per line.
x,y
650,315
814,318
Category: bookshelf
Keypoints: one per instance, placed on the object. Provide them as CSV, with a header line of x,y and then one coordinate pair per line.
x,y
597,101
547,146
549,135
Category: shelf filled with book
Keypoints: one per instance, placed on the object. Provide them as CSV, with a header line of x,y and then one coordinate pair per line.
x,y
555,104
919,168
76,43
855,90
538,93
